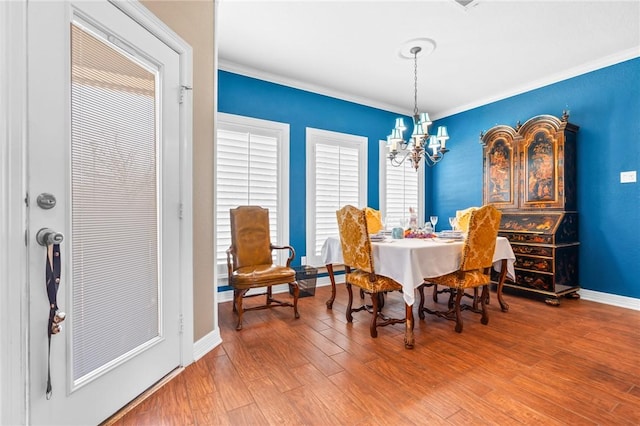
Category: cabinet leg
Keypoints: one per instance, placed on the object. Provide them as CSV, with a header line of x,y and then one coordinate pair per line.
x,y
552,301
574,295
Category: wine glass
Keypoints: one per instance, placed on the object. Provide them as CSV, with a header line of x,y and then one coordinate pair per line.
x,y
433,220
453,222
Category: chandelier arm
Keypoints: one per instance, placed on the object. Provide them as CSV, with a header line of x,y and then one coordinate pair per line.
x,y
393,157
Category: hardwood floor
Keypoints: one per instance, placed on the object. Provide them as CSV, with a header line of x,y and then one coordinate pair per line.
x,y
577,364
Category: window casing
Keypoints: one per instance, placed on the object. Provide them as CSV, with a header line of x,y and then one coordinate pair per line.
x,y
252,168
400,188
336,176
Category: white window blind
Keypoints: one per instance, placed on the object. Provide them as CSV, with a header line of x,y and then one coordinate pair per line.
x,y
336,176
251,169
400,189
115,213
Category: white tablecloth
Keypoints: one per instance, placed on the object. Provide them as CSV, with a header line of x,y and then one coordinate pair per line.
x,y
410,260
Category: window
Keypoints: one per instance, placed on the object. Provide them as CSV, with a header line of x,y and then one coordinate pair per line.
x,y
400,188
252,168
336,175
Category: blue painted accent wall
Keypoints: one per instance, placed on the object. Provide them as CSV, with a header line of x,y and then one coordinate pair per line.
x,y
604,103
255,98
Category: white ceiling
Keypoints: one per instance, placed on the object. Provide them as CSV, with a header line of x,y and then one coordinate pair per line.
x,y
486,52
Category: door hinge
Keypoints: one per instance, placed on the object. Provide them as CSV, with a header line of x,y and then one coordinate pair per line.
x,y
183,89
180,210
181,324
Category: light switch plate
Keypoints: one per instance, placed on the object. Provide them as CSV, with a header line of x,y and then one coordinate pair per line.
x,y
628,177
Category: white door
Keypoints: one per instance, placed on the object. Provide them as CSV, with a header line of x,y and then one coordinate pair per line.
x,y
103,123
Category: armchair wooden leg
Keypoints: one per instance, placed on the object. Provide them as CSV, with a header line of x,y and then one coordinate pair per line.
x,y
238,305
269,295
296,294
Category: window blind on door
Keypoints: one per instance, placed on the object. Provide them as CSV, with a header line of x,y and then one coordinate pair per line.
x,y
114,205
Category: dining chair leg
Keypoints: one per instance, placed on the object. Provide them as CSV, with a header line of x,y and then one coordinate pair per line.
x,y
475,299
421,305
435,293
349,302
483,302
375,302
459,294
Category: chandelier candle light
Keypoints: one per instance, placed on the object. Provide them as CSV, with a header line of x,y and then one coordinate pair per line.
x,y
416,148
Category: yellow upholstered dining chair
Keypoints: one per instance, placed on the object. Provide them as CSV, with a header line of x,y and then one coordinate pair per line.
x,y
462,218
358,261
462,224
250,261
475,267
374,220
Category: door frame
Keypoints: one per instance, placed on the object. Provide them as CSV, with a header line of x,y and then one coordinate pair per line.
x,y
14,232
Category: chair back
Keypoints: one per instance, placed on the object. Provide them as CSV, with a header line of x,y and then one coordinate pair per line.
x,y
250,237
374,220
354,238
481,239
462,218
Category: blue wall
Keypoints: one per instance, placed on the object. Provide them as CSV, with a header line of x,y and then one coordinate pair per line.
x,y
301,109
604,103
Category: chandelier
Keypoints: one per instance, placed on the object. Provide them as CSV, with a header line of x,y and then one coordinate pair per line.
x,y
420,144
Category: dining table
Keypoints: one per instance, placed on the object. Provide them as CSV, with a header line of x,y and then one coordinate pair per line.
x,y
411,261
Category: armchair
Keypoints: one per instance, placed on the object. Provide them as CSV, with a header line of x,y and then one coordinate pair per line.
x,y
250,261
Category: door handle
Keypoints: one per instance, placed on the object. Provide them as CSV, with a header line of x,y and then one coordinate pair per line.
x,y
46,236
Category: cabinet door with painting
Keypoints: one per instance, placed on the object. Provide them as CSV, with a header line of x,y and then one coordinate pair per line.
x,y
500,186
547,165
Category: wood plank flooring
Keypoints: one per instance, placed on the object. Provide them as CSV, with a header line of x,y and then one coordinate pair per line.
x,y
577,364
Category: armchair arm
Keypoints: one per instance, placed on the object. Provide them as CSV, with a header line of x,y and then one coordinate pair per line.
x,y
292,252
230,253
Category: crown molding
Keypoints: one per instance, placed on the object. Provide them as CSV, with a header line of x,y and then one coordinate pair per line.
x,y
298,84
536,84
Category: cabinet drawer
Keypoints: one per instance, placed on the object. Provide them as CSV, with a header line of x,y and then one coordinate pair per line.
x,y
521,237
532,250
539,264
530,279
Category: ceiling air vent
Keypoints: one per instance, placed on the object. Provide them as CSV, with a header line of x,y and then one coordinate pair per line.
x,y
467,4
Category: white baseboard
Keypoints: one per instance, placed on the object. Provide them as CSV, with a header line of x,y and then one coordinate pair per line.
x,y
610,299
206,344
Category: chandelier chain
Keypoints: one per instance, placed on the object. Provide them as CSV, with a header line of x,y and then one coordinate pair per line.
x,y
415,84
